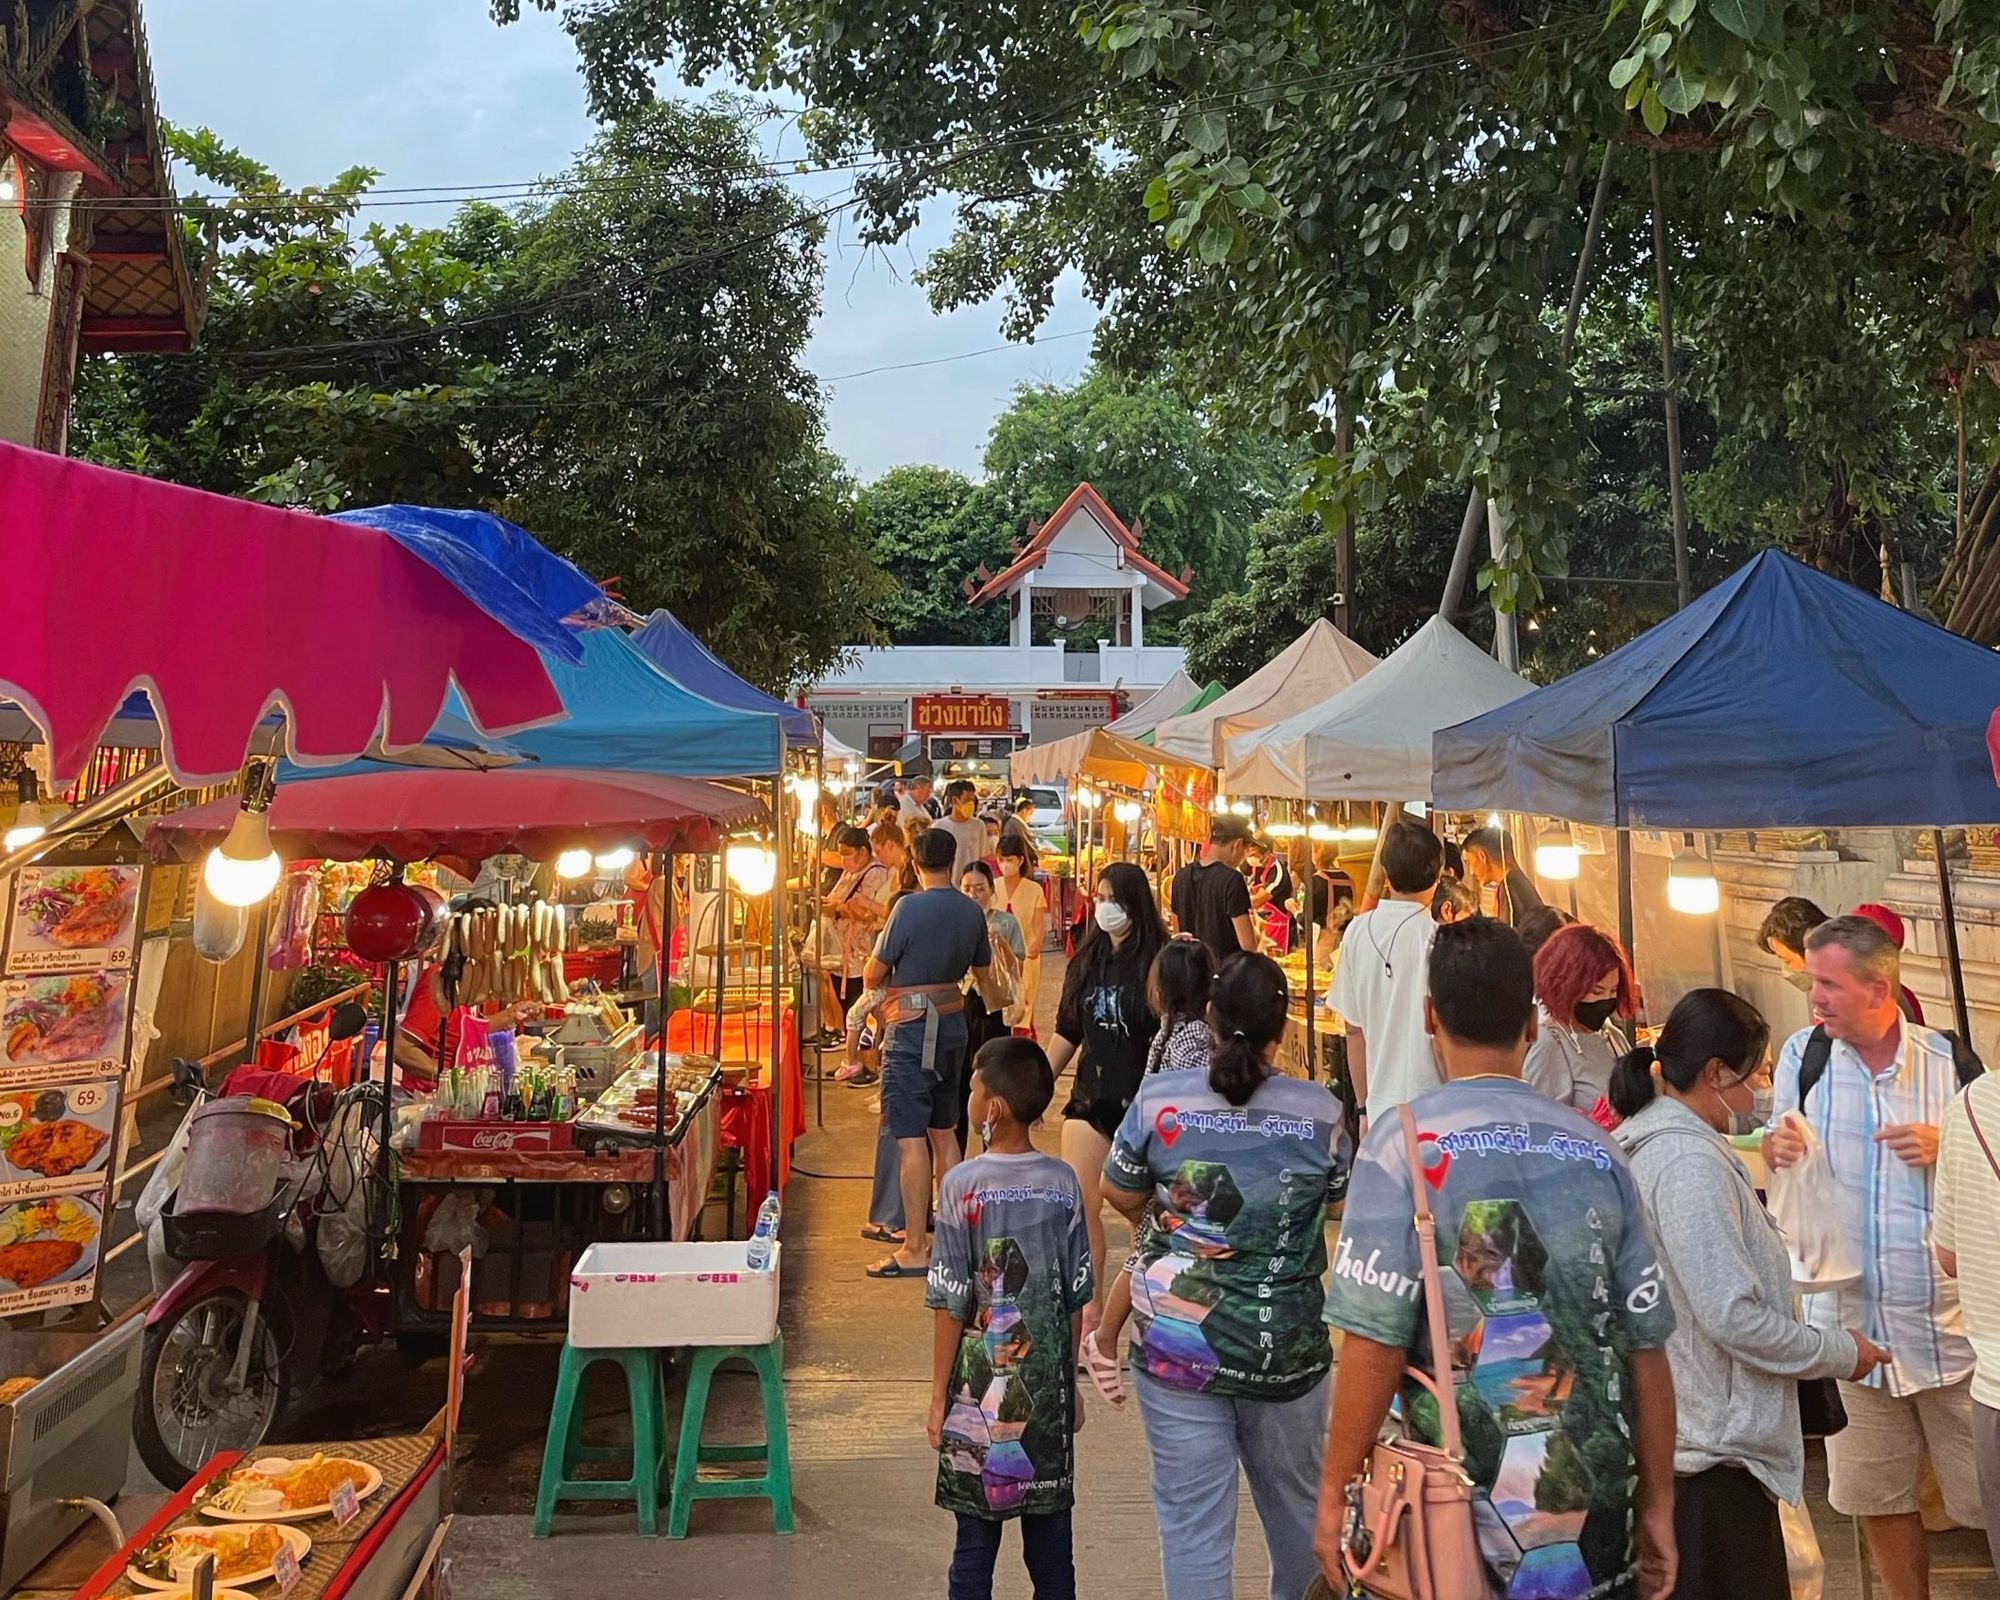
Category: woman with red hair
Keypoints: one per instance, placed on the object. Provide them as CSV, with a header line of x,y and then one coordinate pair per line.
x,y
1582,981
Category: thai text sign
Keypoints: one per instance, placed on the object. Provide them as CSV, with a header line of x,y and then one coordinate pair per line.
x,y
960,713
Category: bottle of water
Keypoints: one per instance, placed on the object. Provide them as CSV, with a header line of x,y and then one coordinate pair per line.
x,y
759,1253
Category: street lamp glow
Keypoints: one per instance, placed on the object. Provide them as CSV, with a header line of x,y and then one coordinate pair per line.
x,y
751,867
244,868
1691,886
1557,857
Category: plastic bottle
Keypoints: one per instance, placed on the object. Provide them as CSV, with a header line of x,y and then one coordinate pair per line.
x,y
759,1252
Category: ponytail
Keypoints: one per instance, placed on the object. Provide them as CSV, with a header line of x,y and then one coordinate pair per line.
x,y
1706,1025
1632,1088
1246,1015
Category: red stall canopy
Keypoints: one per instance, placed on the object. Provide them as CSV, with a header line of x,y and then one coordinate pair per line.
x,y
220,609
411,815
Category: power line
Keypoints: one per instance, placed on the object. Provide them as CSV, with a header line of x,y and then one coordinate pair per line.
x,y
963,355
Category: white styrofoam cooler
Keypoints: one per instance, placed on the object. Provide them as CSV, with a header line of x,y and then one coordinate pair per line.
x,y
638,1295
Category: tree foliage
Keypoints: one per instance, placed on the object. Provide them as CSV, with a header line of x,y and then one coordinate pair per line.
x,y
1383,202
615,366
930,529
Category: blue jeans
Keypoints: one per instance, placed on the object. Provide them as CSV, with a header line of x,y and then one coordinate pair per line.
x,y
1045,1550
1197,1441
885,1199
916,1098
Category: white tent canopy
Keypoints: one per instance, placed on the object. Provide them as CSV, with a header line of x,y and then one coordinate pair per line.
x,y
836,752
1372,741
1316,665
1162,703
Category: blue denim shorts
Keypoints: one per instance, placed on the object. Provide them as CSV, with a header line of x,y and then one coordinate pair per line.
x,y
913,1100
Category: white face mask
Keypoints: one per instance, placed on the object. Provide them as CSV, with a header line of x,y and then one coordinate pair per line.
x,y
1112,918
986,1132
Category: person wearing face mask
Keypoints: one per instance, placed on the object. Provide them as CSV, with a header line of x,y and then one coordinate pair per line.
x,y
967,831
1104,1025
1736,1351
1582,981
1019,894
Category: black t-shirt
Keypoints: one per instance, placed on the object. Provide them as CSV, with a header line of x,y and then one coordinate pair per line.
x,y
1106,1014
1207,901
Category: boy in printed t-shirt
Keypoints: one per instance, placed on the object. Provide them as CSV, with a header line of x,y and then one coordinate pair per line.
x,y
1554,1304
1010,1275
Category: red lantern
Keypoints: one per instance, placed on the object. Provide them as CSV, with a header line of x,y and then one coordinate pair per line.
x,y
392,921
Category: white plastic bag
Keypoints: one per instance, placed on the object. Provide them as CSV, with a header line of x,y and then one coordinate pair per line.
x,y
1810,1209
160,1184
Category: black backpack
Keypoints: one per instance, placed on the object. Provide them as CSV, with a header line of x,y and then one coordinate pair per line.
x,y
1819,1050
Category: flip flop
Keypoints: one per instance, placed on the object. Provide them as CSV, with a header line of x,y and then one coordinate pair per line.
x,y
875,1233
890,1267
1103,1370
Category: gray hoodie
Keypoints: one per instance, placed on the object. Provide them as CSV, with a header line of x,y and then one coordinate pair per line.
x,y
1736,1349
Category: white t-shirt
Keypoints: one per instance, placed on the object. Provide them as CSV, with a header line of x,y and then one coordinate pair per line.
x,y
1968,1198
1379,988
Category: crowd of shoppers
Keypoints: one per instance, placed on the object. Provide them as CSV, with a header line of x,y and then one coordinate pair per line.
x,y
1625,1348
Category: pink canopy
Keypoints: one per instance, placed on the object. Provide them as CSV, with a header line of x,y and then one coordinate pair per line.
x,y
221,609
411,815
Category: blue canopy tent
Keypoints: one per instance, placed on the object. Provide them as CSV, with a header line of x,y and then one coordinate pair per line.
x,y
506,571
1781,699
684,658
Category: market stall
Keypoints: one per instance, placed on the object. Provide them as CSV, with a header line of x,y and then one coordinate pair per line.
x,y
1171,699
1369,742
155,555
553,1137
1319,663
1681,732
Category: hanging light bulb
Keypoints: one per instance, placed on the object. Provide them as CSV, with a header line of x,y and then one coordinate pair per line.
x,y
1286,830
1220,805
8,189
1557,857
1241,808
1128,811
614,860
573,864
1691,886
29,825
244,868
753,868
1360,835
807,789
1322,833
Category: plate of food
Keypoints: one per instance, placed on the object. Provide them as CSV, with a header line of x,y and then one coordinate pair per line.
x,y
48,1241
62,913
64,1021
245,1553
303,1486
55,1133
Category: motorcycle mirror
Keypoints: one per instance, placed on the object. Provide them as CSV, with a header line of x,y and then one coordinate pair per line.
x,y
346,1021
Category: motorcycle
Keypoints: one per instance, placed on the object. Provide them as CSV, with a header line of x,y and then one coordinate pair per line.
x,y
253,1315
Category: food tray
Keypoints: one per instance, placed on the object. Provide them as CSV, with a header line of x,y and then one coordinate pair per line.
x,y
603,1120
659,1295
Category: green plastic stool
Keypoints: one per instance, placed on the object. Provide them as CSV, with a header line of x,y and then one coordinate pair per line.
x,y
775,1450
565,1446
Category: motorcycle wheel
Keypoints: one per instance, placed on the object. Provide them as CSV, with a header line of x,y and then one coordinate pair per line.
x,y
185,1414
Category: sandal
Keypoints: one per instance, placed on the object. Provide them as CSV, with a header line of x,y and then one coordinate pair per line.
x,y
864,1079
890,1267
876,1233
1103,1370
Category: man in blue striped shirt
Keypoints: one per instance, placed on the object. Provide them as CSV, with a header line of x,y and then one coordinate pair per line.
x,y
1876,1112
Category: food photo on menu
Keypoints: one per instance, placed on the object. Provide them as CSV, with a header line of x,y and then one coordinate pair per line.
x,y
48,1241
63,1021
56,1133
67,917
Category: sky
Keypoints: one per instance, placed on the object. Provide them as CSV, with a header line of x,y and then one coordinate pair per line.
x,y
431,93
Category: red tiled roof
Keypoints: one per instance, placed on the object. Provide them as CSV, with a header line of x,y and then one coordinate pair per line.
x,y
1083,496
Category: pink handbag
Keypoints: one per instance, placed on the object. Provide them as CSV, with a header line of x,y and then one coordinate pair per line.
x,y
1409,1532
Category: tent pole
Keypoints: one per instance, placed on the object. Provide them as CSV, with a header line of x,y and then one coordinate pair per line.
x,y
1625,896
663,1226
778,1111
1959,1012
1683,583
1312,935
811,898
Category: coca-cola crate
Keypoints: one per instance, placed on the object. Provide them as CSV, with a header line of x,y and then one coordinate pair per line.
x,y
492,1138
